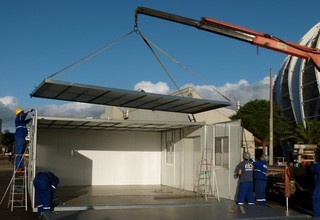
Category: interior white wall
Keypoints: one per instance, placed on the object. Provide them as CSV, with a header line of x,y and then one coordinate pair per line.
x,y
88,157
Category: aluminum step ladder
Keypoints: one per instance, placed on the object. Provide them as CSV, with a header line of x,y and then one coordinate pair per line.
x,y
207,173
18,189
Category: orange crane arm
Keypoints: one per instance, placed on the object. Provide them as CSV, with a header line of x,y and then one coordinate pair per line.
x,y
239,33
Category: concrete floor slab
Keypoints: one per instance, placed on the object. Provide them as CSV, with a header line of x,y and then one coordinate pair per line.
x,y
133,195
219,210
152,202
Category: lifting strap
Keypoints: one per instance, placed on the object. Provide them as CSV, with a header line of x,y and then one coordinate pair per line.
x,y
158,59
88,57
191,118
148,42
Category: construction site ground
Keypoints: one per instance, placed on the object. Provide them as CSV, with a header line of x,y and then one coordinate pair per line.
x,y
136,203
6,172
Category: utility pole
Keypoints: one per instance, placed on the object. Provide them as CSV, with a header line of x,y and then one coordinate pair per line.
x,y
271,122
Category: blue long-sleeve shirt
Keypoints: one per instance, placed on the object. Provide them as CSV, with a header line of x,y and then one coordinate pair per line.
x,y
260,170
21,125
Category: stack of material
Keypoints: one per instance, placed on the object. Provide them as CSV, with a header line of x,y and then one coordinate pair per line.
x,y
305,153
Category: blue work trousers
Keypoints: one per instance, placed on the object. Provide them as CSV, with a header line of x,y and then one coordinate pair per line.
x,y
19,151
245,191
43,192
316,202
260,190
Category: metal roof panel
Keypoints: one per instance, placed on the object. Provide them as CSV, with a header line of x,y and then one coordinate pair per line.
x,y
54,89
104,124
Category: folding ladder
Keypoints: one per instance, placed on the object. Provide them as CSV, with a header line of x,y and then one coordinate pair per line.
x,y
18,190
206,174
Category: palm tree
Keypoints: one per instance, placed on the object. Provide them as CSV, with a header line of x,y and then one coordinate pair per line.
x,y
308,135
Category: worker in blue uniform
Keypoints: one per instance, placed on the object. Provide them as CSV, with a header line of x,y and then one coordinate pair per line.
x,y
315,169
20,135
45,185
244,171
260,179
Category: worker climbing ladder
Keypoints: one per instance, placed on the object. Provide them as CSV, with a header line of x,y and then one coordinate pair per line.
x,y
206,175
18,185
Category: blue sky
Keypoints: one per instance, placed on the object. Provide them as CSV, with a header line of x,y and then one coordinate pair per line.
x,y
38,38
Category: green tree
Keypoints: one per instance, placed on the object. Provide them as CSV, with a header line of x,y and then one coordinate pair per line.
x,y
255,118
7,138
308,135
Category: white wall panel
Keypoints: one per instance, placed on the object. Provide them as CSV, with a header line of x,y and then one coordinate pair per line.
x,y
81,157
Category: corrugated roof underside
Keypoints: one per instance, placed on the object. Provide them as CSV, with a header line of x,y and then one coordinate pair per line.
x,y
53,89
101,124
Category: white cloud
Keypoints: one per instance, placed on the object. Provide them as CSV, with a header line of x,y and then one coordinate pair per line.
x,y
147,86
8,104
72,109
242,91
9,101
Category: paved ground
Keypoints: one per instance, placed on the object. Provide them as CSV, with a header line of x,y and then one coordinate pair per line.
x,y
6,214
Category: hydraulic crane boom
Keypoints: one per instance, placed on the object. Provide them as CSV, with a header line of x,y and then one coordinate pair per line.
x,y
239,33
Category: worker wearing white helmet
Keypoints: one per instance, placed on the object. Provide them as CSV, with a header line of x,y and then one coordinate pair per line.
x,y
244,171
21,122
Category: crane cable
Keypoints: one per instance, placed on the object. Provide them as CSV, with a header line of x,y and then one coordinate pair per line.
x,y
158,59
148,42
88,57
